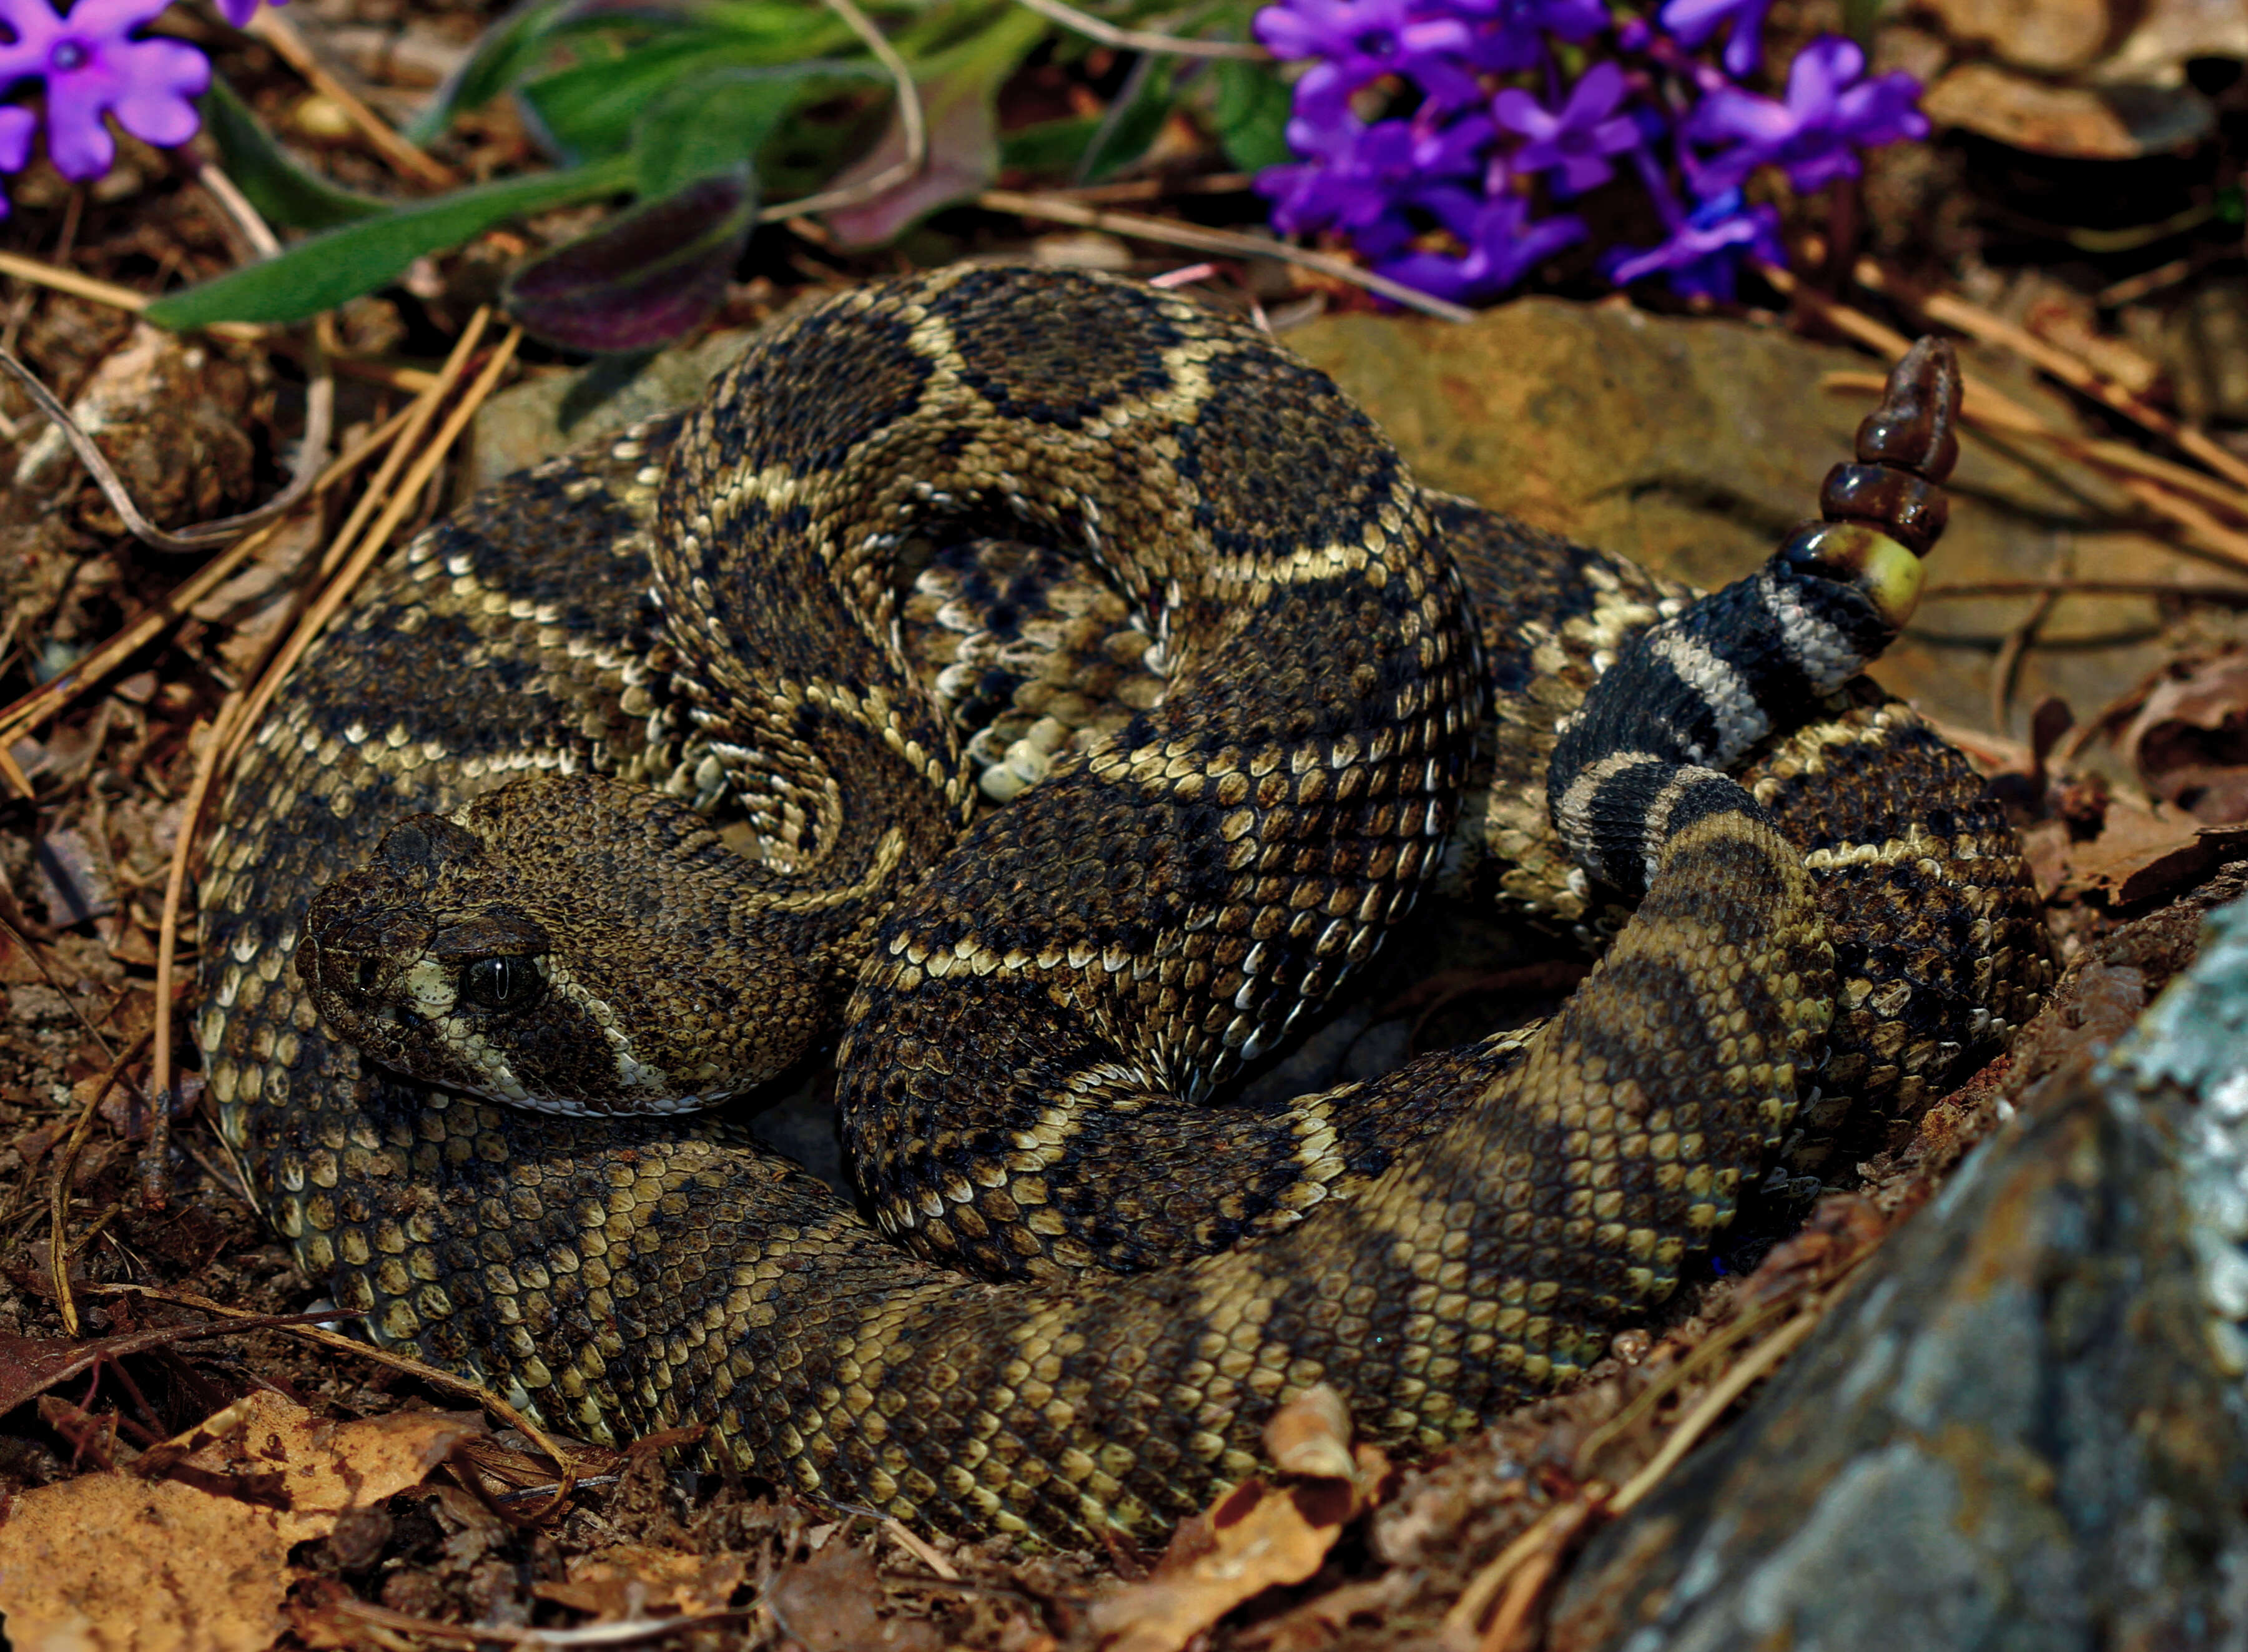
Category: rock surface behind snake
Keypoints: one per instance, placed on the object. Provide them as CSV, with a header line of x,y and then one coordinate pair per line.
x,y
624,1275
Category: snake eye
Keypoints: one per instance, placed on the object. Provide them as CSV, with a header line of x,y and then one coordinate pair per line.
x,y
504,982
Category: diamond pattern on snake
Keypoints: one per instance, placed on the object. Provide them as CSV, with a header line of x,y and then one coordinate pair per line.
x,y
1050,690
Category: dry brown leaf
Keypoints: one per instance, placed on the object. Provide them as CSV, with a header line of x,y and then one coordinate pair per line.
x,y
1255,1537
830,1602
2190,737
2140,857
632,1579
117,1563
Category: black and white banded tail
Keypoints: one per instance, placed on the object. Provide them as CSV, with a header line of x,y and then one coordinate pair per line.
x,y
1644,757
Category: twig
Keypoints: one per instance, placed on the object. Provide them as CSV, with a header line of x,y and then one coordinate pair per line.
x,y
58,280
405,1363
911,118
1714,1404
2233,596
1102,194
917,1545
41,704
163,1336
1123,40
1955,312
2199,530
1523,1588
624,1632
237,206
1710,1349
362,558
154,1167
1996,413
409,443
1166,232
400,156
319,416
1460,1623
59,1188
2008,664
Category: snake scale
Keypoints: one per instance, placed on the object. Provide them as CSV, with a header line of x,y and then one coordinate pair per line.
x,y
627,785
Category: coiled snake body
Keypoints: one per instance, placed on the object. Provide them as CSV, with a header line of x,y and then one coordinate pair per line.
x,y
1111,1278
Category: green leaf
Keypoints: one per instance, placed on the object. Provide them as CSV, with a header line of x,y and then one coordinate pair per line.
x,y
590,108
1048,146
959,92
504,53
282,192
1129,131
322,272
718,119
644,277
1252,115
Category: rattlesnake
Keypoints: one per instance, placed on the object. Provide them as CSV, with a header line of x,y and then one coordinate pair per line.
x,y
1114,1275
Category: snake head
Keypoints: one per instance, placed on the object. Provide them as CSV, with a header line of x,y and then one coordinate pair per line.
x,y
567,944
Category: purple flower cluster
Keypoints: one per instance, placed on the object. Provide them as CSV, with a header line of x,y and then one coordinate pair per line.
x,y
93,63
1428,131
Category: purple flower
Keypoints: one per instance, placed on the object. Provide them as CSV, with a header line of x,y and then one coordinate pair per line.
x,y
1695,20
237,12
1359,177
1701,255
1830,114
1356,43
1502,245
1580,140
93,66
1350,176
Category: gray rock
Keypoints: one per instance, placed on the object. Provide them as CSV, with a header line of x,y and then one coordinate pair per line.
x,y
2026,1427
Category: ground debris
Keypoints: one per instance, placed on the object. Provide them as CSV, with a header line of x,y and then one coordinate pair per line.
x,y
122,1562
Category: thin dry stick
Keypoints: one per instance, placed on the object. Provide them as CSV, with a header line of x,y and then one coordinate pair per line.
x,y
319,416
1123,40
1102,194
2008,665
1714,1404
37,706
154,1179
620,1632
2236,595
2112,456
1711,1348
1955,312
362,558
2201,532
400,156
336,1341
1528,1584
417,420
1168,233
911,118
1460,1623
59,1188
237,206
56,279
2197,531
